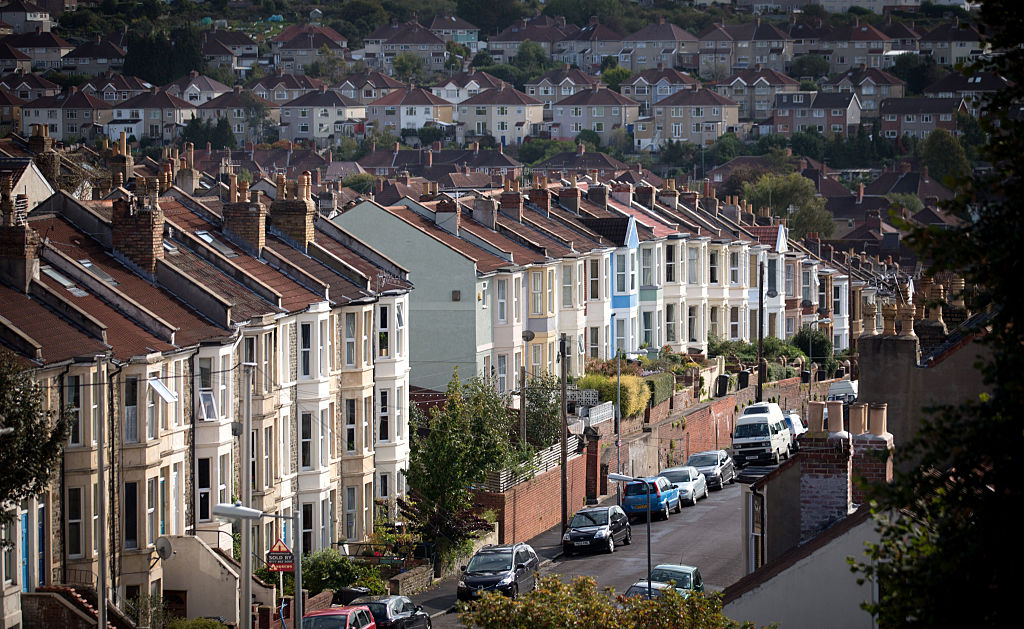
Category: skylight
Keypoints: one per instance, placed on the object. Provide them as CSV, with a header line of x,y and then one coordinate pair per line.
x,y
100,273
62,280
221,248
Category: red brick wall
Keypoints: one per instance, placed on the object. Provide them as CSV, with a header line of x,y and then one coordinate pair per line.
x,y
872,461
530,508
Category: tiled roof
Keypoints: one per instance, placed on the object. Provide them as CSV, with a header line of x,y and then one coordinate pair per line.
x,y
120,82
505,95
60,340
376,79
228,37
310,41
33,81
951,32
599,96
749,76
157,99
595,32
563,73
10,52
462,79
916,183
671,76
322,98
450,22
533,32
96,49
10,100
236,98
72,99
37,40
288,82
978,82
661,31
411,32
920,105
299,29
859,75
204,83
414,96
573,161
857,32
696,97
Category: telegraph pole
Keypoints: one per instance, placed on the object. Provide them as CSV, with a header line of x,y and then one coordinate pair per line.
x,y
761,367
565,444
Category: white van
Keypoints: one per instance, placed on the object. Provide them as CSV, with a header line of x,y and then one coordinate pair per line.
x,y
761,435
844,391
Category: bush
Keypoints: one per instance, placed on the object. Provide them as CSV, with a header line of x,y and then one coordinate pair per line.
x,y
779,372
635,393
662,385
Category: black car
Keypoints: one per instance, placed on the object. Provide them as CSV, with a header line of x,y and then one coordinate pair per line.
x,y
716,466
509,569
597,528
395,612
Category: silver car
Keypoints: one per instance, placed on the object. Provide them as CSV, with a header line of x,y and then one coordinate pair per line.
x,y
691,483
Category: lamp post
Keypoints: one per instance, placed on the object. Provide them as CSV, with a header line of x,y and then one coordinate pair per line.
x,y
245,515
622,478
810,354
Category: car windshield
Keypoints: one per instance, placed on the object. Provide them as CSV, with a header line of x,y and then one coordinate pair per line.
x,y
664,575
638,489
490,562
752,410
759,429
678,476
326,622
379,610
702,460
641,590
589,518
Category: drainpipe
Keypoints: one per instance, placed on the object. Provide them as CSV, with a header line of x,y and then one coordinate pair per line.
x,y
112,484
63,486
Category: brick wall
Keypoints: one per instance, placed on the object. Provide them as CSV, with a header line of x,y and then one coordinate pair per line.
x,y
532,507
825,470
47,609
247,222
138,232
872,462
411,581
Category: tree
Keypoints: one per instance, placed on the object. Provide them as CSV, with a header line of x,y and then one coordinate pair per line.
x,y
781,192
944,156
328,66
613,77
554,604
492,16
362,183
945,511
455,447
543,411
31,438
808,144
588,136
812,66
482,58
409,67
919,71
531,59
608,62
906,200
159,58
820,344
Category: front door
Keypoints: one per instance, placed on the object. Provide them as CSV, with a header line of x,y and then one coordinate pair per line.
x,y
176,602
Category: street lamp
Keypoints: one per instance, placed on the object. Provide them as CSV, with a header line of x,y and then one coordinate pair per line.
x,y
622,478
246,514
810,354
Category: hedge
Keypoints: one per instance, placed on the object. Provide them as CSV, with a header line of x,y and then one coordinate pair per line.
x,y
662,386
634,391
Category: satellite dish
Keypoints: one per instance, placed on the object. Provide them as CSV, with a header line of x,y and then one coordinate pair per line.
x,y
528,335
163,548
580,343
772,293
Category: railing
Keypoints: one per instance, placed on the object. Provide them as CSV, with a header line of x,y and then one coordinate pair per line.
x,y
547,459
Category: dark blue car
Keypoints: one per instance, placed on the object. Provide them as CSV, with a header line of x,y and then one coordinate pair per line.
x,y
664,498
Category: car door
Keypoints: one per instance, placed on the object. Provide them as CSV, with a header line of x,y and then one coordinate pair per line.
x,y
524,574
616,523
670,491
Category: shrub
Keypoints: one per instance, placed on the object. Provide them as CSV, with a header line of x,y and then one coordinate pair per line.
x,y
635,393
661,385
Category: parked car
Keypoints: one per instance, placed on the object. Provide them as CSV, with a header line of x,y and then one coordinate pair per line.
x,y
598,528
395,612
509,569
692,485
664,498
347,617
716,466
796,426
657,588
683,577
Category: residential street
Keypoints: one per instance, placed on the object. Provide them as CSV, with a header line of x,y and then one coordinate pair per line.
x,y
707,536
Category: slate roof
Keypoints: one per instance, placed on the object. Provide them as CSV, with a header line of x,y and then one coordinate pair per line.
x,y
414,96
71,99
96,50
698,97
323,98
561,74
920,105
661,31
600,96
37,40
672,76
749,76
462,79
862,74
157,99
204,83
288,82
956,82
504,95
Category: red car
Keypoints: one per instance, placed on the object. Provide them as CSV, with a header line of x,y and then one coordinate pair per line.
x,y
347,617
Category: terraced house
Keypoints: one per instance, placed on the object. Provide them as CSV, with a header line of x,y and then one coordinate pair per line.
x,y
506,114
151,320
696,116
598,109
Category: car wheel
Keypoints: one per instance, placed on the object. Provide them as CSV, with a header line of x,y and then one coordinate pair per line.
x,y
611,543
666,513
775,458
679,505
629,536
515,591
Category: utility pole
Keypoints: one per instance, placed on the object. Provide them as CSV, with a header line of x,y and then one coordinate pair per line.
x,y
565,444
522,403
760,332
245,613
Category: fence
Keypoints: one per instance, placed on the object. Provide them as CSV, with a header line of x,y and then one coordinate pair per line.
x,y
546,459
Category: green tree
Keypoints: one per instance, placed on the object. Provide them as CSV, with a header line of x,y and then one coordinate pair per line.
x,y
820,343
608,62
579,11
808,144
531,59
543,411
919,71
492,16
409,67
554,604
362,183
779,193
613,77
31,438
328,66
482,58
945,512
589,137
906,200
812,66
457,445
971,137
944,156
536,151
222,134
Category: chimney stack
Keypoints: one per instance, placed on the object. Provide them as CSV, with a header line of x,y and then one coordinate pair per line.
x,y
826,469
598,195
512,202
245,221
138,228
293,212
447,215
872,458
540,196
19,243
485,211
569,197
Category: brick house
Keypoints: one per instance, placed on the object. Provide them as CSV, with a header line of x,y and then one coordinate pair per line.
x,y
828,113
754,89
410,108
73,114
695,116
917,117
323,117
562,82
543,30
972,89
588,47
659,42
726,48
653,84
871,85
597,109
46,49
239,107
94,57
855,45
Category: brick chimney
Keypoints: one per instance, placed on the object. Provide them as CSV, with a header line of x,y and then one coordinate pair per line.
x,y
485,211
644,195
19,243
540,196
137,224
872,449
623,193
598,195
293,212
826,468
581,149
512,201
245,220
569,197
447,215
668,195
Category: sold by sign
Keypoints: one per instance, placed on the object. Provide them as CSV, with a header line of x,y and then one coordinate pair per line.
x,y
280,558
